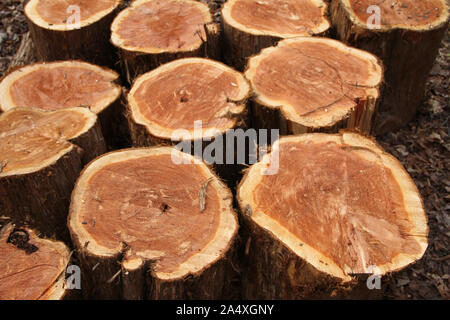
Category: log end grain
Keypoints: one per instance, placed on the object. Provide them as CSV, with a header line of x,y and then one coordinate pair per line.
x,y
189,103
251,25
176,95
67,84
318,84
151,227
393,31
42,154
33,139
406,14
281,19
338,207
153,27
55,15
150,33
31,268
73,29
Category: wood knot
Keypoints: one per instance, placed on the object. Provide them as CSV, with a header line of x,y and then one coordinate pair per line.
x,y
164,207
20,238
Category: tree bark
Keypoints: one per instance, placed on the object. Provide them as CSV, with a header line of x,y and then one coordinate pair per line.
x,y
165,257
31,268
61,36
26,54
198,102
42,156
407,43
66,84
251,25
186,22
317,230
314,85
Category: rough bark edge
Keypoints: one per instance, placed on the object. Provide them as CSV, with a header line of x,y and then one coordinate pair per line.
x,y
306,279
117,278
360,119
215,282
114,124
92,143
134,62
84,43
142,136
41,197
111,114
16,73
242,44
231,174
26,54
359,24
382,42
273,271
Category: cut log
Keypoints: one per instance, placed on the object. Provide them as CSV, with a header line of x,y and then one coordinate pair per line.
x,y
67,84
251,25
338,210
152,32
147,227
314,84
41,156
406,36
188,100
72,29
31,268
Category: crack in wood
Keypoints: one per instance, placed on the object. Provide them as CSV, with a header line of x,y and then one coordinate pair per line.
x,y
202,195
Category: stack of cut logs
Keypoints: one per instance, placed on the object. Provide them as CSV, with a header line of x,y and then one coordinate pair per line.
x,y
137,169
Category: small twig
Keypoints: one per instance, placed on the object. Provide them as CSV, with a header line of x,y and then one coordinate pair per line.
x,y
114,276
202,195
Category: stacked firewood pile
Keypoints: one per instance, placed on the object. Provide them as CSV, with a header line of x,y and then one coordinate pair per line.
x,y
126,135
